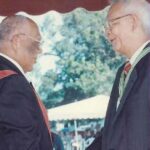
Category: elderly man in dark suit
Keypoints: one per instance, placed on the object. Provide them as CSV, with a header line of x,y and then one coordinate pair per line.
x,y
127,124
23,122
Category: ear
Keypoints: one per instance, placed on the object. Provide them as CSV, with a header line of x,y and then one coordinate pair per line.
x,y
15,42
134,22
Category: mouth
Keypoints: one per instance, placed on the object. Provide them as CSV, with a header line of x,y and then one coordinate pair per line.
x,y
112,40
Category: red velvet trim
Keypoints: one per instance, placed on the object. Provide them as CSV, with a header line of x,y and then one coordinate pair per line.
x,y
6,73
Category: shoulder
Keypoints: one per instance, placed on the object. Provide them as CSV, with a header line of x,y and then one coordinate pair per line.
x,y
16,86
14,80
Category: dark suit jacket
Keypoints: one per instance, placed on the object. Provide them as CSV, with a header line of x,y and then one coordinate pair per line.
x,y
128,128
22,126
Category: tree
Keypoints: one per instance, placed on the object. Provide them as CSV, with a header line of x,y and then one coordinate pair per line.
x,y
86,62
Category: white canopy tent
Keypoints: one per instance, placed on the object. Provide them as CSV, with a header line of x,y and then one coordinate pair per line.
x,y
90,108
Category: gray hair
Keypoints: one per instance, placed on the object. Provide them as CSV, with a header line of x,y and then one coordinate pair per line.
x,y
12,24
140,7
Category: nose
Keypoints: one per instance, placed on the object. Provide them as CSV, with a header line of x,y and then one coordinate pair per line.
x,y
109,34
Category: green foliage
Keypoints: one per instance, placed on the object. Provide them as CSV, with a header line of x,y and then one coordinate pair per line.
x,y
86,63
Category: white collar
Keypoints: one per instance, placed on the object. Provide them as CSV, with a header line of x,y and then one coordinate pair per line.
x,y
139,50
14,62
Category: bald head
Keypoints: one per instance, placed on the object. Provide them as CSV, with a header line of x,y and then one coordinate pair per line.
x,y
13,25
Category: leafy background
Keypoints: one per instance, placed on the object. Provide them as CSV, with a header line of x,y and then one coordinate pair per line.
x,y
78,61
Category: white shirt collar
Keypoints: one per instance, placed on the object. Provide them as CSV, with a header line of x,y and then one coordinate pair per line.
x,y
139,50
14,62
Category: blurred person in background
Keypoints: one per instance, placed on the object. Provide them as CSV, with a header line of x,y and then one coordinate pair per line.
x,y
57,142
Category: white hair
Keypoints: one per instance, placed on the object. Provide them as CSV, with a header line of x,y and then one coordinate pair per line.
x,y
141,8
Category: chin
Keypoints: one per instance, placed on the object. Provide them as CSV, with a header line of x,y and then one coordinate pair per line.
x,y
29,70
117,46
117,49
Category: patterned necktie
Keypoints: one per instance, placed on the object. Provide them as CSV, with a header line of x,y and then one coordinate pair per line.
x,y
127,67
122,83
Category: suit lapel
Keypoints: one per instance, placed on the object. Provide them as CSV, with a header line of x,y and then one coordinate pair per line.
x,y
129,86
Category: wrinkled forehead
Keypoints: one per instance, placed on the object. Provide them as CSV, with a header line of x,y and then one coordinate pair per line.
x,y
115,10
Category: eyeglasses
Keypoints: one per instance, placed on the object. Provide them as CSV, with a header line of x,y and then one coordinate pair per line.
x,y
109,24
32,38
37,43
